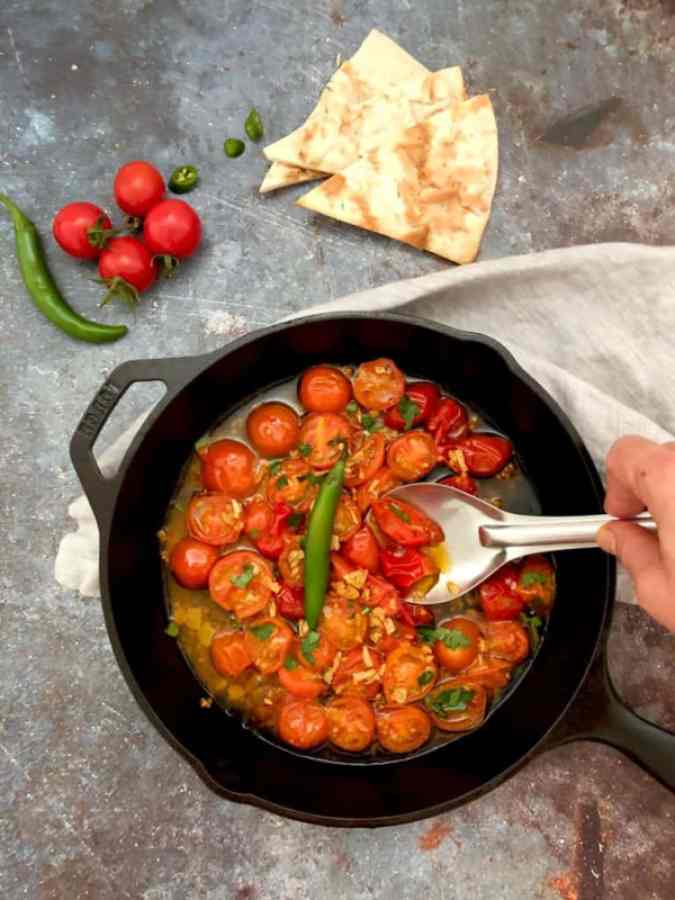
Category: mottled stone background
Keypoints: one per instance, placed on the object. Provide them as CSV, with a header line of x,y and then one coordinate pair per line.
x,y
93,802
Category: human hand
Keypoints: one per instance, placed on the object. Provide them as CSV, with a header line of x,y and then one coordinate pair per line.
x,y
641,475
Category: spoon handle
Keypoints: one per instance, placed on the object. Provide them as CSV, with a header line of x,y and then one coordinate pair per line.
x,y
553,532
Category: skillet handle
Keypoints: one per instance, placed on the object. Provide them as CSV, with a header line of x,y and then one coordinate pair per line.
x,y
174,373
597,714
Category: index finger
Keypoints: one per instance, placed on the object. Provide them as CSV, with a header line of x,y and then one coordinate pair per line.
x,y
641,473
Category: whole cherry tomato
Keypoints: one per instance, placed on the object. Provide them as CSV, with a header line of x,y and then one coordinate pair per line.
x,y
484,454
404,567
125,262
499,595
324,389
172,228
229,466
79,229
403,729
303,724
273,429
191,561
138,187
448,422
351,723
424,395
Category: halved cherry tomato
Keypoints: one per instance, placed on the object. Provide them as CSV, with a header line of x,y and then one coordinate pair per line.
x,y
425,395
317,657
489,671
268,642
247,568
405,524
382,594
381,483
325,434
507,640
460,647
405,567
358,674
303,724
409,674
75,226
365,461
388,642
462,482
379,384
485,454
267,526
351,723
273,429
191,561
468,698
258,518
138,186
343,623
291,483
214,519
448,422
499,597
536,581
292,562
231,467
265,700
404,729
229,654
347,518
301,682
291,602
172,227
324,389
412,456
363,550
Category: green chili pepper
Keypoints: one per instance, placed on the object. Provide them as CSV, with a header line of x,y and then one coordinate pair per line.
x,y
42,288
183,179
233,147
318,540
253,125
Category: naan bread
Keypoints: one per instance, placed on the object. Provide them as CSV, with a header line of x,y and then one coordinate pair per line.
x,y
377,64
431,187
332,141
279,175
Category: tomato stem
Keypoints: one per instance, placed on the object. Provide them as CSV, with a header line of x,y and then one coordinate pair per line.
x,y
119,289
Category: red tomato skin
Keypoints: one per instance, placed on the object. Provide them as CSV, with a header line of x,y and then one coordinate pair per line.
x,y
499,595
191,562
384,595
291,602
138,187
415,614
425,394
485,454
340,566
70,227
130,259
448,423
405,566
172,227
228,466
363,550
462,482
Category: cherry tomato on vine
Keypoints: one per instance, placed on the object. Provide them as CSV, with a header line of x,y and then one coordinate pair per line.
x,y
172,228
79,229
138,187
127,267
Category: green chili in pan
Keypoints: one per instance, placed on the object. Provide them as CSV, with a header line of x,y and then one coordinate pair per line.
x,y
318,541
42,288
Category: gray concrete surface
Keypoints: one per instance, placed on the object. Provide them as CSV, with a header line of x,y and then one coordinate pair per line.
x,y
93,803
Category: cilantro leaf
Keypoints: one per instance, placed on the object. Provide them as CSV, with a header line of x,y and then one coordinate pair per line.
x,y
400,513
409,411
452,638
425,677
352,407
531,579
315,479
304,449
281,481
533,625
262,632
371,423
308,644
290,663
451,700
245,577
172,629
295,519
275,466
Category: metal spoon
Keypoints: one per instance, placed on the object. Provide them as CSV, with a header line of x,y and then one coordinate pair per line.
x,y
480,537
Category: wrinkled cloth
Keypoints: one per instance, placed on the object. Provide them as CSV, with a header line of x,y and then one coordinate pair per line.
x,y
594,325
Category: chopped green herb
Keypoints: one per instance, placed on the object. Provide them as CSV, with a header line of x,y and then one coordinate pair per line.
x,y
308,644
366,610
452,700
233,147
290,663
262,632
533,624
304,449
245,578
371,423
409,411
295,519
281,481
275,466
425,677
401,513
530,579
453,638
172,629
352,407
254,534
253,125
315,479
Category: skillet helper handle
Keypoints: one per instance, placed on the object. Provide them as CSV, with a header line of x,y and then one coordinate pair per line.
x,y
101,490
598,714
553,532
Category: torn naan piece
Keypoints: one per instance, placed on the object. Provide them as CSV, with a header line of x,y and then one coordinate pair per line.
x,y
331,142
279,175
432,187
377,64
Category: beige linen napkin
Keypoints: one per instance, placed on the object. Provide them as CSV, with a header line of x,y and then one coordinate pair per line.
x,y
594,325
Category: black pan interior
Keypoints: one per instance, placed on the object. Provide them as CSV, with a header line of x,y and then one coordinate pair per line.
x,y
234,760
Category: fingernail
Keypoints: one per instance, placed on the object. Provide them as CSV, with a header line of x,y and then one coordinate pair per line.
x,y
606,540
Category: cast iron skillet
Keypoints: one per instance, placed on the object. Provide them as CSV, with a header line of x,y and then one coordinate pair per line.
x,y
232,760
